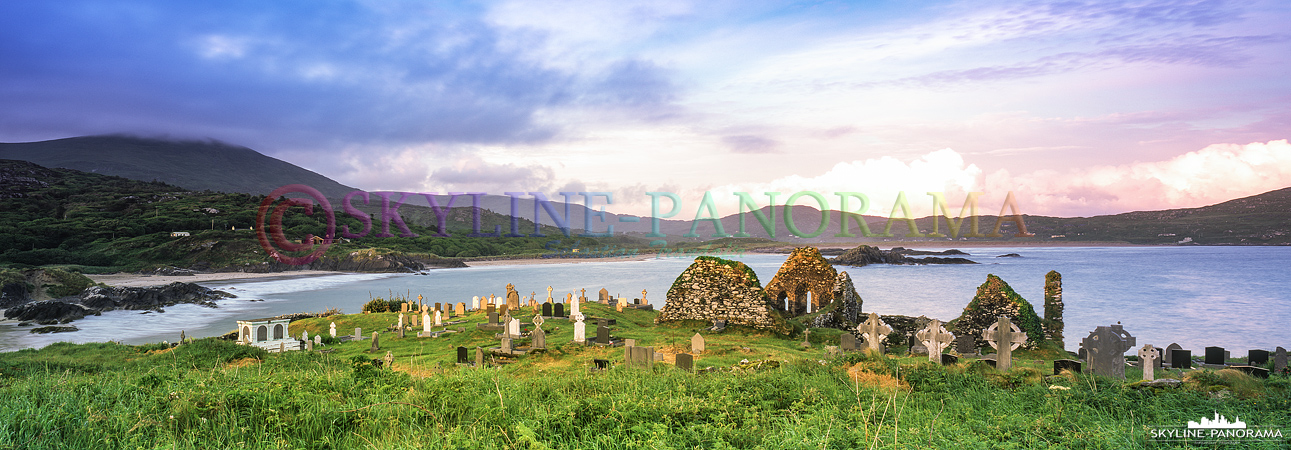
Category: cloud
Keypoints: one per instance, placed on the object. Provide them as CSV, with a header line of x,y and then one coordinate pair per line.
x,y
474,173
748,144
1214,174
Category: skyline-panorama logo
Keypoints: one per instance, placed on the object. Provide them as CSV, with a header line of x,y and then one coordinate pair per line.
x,y
1216,430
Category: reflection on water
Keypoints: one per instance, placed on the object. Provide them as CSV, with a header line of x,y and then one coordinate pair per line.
x,y
1195,296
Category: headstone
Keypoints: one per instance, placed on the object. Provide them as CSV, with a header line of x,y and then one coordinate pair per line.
x,y
640,357
538,321
504,310
376,345
332,330
493,315
602,335
558,310
1005,337
1215,355
475,303
425,322
538,339
949,359
1148,356
181,336
935,337
460,310
685,362
644,301
438,305
479,358
847,341
569,298
463,357
513,328
304,335
582,297
400,332
549,299
1060,365
1257,357
874,332
1181,359
603,297
506,345
623,303
574,307
966,345
629,342
546,310
697,344
601,364
439,319
401,317
1280,360
513,297
806,338
1167,355
318,339
389,359
309,345
1105,349
415,321
403,308
580,329
358,334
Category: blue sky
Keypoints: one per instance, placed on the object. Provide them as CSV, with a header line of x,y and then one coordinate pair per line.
x,y
1079,108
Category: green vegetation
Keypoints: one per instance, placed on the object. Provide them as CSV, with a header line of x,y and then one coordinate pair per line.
x,y
754,391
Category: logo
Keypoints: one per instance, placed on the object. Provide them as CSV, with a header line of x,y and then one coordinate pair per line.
x,y
1215,430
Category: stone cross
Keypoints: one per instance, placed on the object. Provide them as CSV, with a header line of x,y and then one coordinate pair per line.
x,y
582,296
573,308
333,329
389,359
569,298
304,335
1105,349
936,338
376,345
806,338
580,329
1005,337
643,298
1148,356
874,332
538,321
401,319
696,344
549,289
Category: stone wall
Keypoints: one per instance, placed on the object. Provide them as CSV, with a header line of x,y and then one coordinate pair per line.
x,y
718,289
845,311
1053,307
996,298
804,271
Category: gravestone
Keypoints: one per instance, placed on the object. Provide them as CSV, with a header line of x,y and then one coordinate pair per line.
x,y
475,303
439,319
1060,365
602,335
463,357
506,345
513,328
438,306
573,307
685,362
389,360
1005,337
966,345
847,342
414,321
403,308
376,344
304,335
935,337
479,358
358,334
558,310
580,329
425,322
401,332
806,338
1258,372
949,359
513,297
623,303
538,339
629,342
504,310
1105,349
1257,357
309,345
1181,359
549,299
1148,357
1279,360
582,297
640,357
1215,355
400,325
546,310
644,301
569,298
538,321
1167,354
460,310
332,330
874,332
493,315
697,344
318,339
603,297
601,364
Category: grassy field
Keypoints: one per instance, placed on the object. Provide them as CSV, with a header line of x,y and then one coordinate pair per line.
x,y
759,391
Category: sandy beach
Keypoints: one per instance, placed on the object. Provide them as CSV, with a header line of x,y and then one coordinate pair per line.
x,y
137,280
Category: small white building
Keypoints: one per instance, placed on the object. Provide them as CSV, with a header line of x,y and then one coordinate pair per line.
x,y
179,234
269,334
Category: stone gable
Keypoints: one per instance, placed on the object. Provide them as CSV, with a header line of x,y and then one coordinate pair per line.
x,y
718,289
805,271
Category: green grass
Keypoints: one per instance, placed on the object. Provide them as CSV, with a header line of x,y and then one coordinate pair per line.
x,y
216,394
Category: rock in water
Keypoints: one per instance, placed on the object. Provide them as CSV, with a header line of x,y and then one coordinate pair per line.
x,y
994,299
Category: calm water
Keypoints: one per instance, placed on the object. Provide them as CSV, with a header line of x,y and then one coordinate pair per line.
x,y
1235,297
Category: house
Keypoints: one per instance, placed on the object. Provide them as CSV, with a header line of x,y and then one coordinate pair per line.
x,y
179,234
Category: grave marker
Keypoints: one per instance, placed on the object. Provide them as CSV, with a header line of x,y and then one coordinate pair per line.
x,y
358,334
1167,355
425,322
685,362
1257,357
546,310
935,338
601,364
966,345
460,310
697,344
538,339
309,345
332,329
1005,337
580,329
463,357
1280,360
1181,359
439,319
603,297
1105,349
475,303
479,358
874,332
949,359
558,310
1215,355
549,299
1148,356
602,335
376,345
847,342
513,328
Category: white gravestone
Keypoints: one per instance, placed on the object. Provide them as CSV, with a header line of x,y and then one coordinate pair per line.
x,y
936,338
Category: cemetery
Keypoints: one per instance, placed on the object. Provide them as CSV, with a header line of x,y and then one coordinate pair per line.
x,y
718,361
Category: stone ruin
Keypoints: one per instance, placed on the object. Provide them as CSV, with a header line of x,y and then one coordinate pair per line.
x,y
844,312
1053,306
995,299
718,289
804,284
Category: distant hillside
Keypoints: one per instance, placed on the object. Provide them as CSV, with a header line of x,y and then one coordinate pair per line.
x,y
193,165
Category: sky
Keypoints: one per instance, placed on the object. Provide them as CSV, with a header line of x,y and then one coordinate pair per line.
x,y
1077,107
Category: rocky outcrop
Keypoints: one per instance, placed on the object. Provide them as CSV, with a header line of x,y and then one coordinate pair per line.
x,y
718,289
805,271
844,312
97,299
995,298
864,255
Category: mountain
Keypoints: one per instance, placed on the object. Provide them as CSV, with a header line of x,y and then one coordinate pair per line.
x,y
190,164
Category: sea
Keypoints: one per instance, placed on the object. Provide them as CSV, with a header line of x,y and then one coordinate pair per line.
x,y
1238,298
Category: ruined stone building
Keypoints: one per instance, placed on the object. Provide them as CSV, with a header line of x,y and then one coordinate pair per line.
x,y
718,289
804,284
